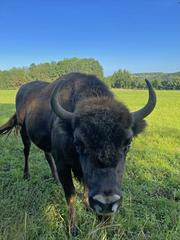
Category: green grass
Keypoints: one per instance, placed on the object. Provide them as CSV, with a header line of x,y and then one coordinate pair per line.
x,y
36,209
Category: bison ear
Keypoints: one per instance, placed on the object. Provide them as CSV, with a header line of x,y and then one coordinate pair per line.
x,y
139,127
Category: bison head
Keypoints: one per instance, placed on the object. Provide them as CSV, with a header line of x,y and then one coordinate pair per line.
x,y
103,130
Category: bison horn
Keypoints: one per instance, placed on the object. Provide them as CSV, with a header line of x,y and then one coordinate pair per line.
x,y
57,108
148,108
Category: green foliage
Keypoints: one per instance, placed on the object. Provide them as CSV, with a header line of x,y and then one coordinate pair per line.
x,y
15,77
124,79
166,81
121,79
36,209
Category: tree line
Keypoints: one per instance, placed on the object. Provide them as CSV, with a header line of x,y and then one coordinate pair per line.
x,y
124,79
15,77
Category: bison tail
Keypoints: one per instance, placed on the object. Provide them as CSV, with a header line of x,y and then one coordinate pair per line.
x,y
9,125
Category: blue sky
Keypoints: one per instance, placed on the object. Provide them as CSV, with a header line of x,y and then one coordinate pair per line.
x,y
140,36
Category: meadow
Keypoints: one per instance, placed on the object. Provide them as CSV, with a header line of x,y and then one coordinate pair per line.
x,y
36,209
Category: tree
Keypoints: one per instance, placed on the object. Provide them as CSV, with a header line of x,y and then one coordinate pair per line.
x,y
49,71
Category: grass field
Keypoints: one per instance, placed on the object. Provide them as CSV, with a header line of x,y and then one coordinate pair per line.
x,y
36,209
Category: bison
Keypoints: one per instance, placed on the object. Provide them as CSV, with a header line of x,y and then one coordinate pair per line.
x,y
84,131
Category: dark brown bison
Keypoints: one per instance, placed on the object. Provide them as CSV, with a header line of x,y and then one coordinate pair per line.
x,y
83,131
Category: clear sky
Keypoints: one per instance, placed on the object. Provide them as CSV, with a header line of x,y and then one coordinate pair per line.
x,y
138,35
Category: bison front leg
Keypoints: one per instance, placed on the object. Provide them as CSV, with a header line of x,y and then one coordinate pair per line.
x,y
65,178
72,215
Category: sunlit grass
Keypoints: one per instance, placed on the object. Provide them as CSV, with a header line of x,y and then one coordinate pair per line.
x,y
7,96
36,209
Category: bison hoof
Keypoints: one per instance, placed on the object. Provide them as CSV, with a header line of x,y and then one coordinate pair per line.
x,y
74,231
26,176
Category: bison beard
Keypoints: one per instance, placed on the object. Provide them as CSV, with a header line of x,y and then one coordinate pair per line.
x,y
82,130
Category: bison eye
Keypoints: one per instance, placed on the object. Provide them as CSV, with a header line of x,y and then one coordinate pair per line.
x,y
79,145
